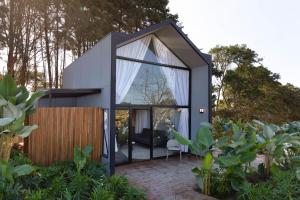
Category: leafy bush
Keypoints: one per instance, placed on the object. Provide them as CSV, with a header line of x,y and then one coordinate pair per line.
x,y
80,179
231,170
220,184
15,104
10,188
201,146
281,185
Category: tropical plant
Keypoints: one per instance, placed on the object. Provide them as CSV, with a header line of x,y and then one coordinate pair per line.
x,y
9,187
277,148
283,184
238,151
201,146
81,179
15,105
81,156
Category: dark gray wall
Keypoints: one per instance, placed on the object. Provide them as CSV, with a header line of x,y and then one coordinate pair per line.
x,y
57,102
92,70
200,98
83,101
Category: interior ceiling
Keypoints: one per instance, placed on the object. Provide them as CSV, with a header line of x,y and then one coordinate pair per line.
x,y
179,46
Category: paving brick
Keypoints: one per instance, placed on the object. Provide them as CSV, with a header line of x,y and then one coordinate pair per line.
x,y
165,179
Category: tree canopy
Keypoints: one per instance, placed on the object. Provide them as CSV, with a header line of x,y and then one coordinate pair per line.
x,y
247,90
39,36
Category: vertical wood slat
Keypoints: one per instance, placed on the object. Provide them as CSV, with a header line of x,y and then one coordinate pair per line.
x,y
60,129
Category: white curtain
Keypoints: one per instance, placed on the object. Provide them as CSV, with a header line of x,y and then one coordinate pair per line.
x,y
142,120
165,55
126,71
178,82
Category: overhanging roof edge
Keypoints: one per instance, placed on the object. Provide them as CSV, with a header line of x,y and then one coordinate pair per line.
x,y
137,35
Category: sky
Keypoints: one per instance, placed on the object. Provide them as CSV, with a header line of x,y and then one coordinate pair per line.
x,y
270,27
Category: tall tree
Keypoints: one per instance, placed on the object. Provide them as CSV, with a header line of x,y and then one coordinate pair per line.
x,y
228,57
40,35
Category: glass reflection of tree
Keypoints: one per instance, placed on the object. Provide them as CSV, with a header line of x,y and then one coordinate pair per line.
x,y
153,87
122,126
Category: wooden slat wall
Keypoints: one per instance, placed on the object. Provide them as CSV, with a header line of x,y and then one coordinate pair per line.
x,y
61,129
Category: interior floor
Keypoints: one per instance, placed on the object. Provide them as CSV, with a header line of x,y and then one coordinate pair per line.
x,y
139,152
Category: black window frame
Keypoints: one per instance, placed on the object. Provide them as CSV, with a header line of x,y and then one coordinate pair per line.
x,y
122,105
115,41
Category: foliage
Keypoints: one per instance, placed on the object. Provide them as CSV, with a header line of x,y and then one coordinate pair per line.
x,y
224,59
238,151
220,184
218,124
201,146
282,185
80,179
237,148
42,34
9,188
15,105
280,148
81,156
245,89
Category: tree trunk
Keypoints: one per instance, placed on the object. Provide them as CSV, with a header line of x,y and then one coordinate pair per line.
x,y
6,143
25,53
35,83
47,43
56,47
43,63
268,164
11,39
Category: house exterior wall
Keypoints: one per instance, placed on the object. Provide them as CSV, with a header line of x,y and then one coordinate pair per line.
x,y
199,97
92,70
96,69
57,102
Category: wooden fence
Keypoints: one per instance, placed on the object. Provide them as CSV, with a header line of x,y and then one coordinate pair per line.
x,y
61,129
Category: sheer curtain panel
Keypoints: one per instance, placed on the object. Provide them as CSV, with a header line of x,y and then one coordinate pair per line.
x,y
126,71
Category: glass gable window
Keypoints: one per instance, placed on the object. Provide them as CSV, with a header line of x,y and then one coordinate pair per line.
x,y
149,48
162,83
146,84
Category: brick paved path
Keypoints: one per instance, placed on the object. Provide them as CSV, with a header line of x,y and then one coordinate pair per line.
x,y
165,179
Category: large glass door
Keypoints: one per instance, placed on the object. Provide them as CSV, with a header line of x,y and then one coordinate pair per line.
x,y
134,135
141,134
122,147
164,121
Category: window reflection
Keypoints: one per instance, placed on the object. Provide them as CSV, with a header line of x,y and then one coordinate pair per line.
x,y
164,121
149,87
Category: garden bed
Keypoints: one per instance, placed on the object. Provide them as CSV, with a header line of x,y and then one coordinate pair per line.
x,y
229,169
77,180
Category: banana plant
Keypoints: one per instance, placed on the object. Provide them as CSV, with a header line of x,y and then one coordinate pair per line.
x,y
276,147
238,151
201,145
15,105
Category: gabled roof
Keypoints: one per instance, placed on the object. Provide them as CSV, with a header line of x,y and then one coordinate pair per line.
x,y
175,39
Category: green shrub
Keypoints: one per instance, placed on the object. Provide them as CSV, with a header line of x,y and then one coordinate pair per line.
x,y
133,193
281,185
238,144
220,184
80,179
117,185
101,193
80,187
95,170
